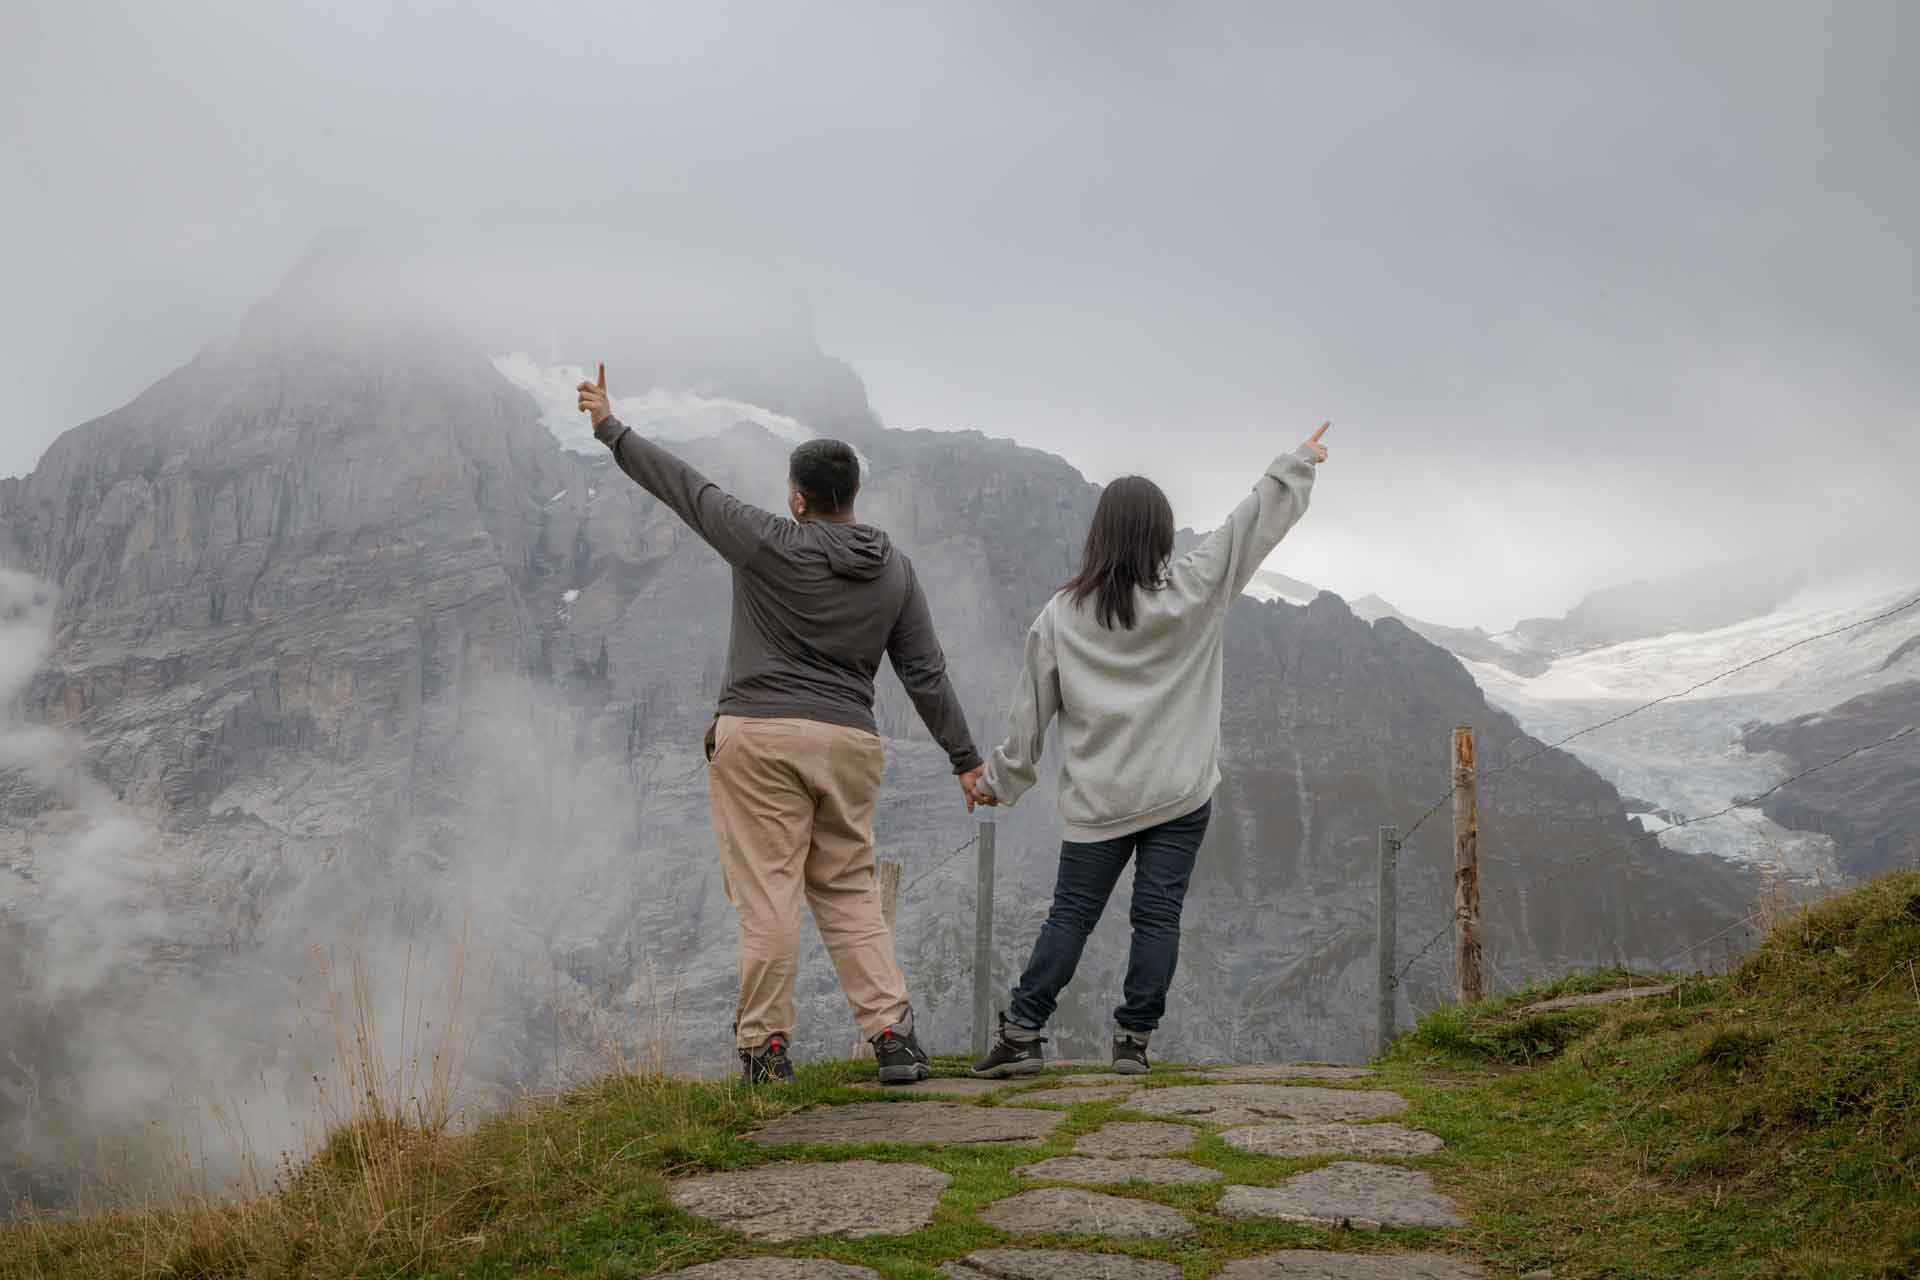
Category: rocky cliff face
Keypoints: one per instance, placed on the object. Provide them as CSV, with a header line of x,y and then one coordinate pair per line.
x,y
349,652
1871,806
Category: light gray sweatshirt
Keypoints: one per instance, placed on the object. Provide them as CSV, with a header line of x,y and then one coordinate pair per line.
x,y
1140,709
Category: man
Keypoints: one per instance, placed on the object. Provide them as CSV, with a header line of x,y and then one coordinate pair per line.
x,y
794,760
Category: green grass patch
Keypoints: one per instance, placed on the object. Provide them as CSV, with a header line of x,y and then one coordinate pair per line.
x,y
1765,1123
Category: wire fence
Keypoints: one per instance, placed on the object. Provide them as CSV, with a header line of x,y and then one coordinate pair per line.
x,y
1490,775
959,849
1510,892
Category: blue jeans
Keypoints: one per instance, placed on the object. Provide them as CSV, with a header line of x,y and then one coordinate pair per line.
x,y
1163,864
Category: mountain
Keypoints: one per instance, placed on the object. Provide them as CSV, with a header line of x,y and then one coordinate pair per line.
x,y
1822,695
1703,600
1870,809
337,652
1470,643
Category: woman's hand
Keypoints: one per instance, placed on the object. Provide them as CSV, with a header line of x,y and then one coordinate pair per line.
x,y
975,790
1313,442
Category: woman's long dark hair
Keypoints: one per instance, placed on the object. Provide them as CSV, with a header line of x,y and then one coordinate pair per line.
x,y
1127,549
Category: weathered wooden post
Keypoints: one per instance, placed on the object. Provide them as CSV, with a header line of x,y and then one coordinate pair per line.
x,y
983,942
1466,864
890,890
1386,914
887,871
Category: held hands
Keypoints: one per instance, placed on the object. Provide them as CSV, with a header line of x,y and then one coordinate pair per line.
x,y
1313,443
975,792
593,398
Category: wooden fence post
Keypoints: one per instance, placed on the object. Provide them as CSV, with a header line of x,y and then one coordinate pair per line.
x,y
983,943
888,871
1466,864
1386,916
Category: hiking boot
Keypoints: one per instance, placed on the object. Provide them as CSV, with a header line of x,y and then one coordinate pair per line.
x,y
768,1064
898,1051
1130,1054
1015,1052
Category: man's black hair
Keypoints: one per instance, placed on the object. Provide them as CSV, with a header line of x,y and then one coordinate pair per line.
x,y
827,473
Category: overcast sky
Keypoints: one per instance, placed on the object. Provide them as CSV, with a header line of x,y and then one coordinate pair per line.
x,y
1590,291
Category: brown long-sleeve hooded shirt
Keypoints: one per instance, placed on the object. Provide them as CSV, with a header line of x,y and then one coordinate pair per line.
x,y
815,605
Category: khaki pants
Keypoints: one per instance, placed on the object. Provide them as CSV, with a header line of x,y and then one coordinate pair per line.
x,y
793,805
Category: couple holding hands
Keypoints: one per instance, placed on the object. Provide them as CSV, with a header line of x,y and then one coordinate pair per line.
x,y
1126,657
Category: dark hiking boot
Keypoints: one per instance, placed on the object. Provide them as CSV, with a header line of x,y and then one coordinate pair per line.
x,y
1015,1052
1130,1054
898,1051
768,1064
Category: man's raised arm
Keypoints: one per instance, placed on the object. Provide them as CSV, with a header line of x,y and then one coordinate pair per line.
x,y
734,528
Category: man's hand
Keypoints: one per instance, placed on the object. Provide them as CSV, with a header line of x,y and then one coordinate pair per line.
x,y
975,793
593,399
1313,441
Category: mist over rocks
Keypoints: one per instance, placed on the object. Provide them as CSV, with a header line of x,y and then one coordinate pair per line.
x,y
368,661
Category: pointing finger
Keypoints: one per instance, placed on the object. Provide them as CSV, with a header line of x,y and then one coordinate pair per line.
x,y
1322,431
603,375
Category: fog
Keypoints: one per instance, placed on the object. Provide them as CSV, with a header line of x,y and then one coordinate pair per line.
x,y
1589,293
149,1052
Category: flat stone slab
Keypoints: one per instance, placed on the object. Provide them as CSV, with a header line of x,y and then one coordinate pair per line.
x,y
1055,1264
1316,1264
1073,1097
1064,1211
1289,1071
1325,1139
777,1269
1241,1104
854,1199
940,1086
1157,1170
1085,1080
1138,1138
1598,997
910,1124
1364,1196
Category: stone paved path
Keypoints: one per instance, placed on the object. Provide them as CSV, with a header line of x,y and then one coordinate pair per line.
x,y
1119,1138
1055,1264
1349,1193
1239,1104
777,1269
1315,1264
1288,1071
1113,1172
1296,1140
1073,1097
1065,1211
854,1199
1246,1107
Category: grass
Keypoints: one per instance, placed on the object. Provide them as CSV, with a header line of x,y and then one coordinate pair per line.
x,y
1762,1123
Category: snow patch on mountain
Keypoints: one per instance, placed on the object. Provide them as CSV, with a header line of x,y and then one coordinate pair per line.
x,y
1270,586
1685,757
660,413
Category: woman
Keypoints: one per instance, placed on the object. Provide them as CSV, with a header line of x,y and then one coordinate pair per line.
x,y
1128,655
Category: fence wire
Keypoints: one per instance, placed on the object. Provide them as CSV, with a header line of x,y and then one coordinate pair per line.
x,y
1491,774
1506,892
961,848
